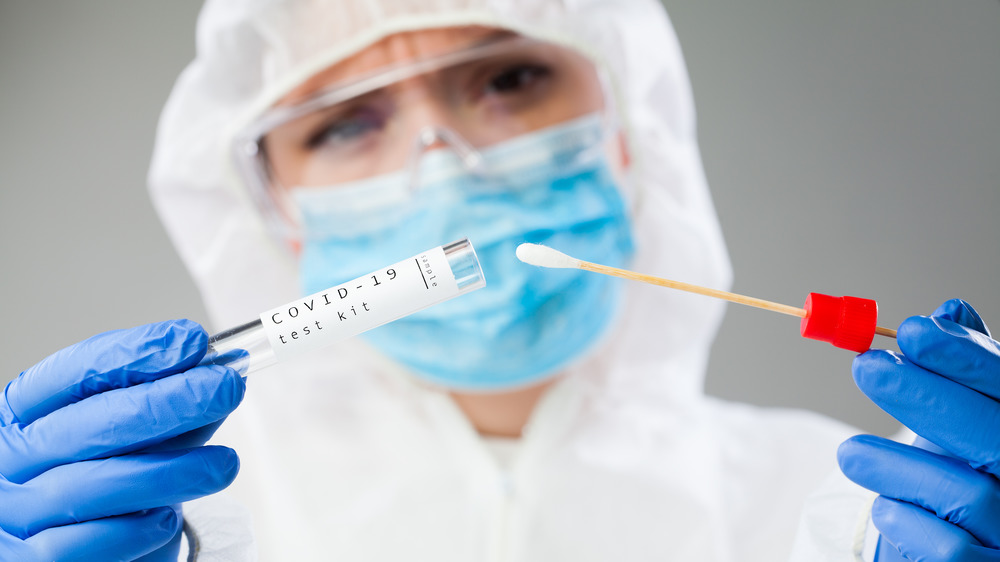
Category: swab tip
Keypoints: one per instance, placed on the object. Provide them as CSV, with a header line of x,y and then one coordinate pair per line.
x,y
543,256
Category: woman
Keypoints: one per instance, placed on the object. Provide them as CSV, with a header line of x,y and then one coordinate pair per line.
x,y
547,416
551,415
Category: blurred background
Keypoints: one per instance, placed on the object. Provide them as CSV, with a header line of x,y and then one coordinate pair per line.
x,y
852,148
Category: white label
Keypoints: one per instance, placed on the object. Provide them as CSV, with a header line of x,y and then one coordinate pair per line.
x,y
362,304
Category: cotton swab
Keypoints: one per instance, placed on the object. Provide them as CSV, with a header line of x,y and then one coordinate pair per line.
x,y
845,322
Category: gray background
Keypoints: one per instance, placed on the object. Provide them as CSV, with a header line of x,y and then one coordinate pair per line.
x,y
852,148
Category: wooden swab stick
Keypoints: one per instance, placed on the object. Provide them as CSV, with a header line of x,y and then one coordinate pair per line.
x,y
543,256
887,332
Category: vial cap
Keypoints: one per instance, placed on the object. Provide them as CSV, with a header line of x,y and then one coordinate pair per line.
x,y
845,322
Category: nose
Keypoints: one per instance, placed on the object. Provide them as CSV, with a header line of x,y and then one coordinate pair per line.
x,y
434,137
442,138
436,125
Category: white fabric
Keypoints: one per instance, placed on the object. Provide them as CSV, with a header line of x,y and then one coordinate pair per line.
x,y
217,530
869,546
625,459
836,524
504,450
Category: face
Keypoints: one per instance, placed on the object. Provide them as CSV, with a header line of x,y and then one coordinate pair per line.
x,y
506,86
349,151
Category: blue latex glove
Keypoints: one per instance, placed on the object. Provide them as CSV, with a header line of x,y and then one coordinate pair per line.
x,y
940,499
99,440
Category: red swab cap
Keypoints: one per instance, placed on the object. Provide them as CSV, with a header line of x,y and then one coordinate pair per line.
x,y
845,322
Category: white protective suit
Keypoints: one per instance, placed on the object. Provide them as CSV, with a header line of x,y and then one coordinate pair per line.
x,y
346,458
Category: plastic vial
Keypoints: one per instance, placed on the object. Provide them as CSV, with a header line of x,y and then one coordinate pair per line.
x,y
349,309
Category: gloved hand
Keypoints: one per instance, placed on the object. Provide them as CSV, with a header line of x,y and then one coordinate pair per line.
x,y
940,505
99,440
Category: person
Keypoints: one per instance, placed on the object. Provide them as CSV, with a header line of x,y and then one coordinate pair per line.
x,y
548,416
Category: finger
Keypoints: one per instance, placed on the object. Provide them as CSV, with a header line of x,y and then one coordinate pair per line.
x,y
950,415
191,439
116,359
886,552
102,488
125,537
171,551
918,535
120,421
961,312
962,354
947,487
926,445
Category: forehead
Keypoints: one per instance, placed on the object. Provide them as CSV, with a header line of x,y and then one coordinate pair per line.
x,y
396,49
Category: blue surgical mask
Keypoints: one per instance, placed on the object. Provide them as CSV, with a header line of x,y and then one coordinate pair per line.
x,y
551,187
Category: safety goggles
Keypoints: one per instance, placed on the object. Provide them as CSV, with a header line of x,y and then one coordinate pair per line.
x,y
384,121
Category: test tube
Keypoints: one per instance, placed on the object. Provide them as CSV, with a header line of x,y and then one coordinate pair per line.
x,y
348,309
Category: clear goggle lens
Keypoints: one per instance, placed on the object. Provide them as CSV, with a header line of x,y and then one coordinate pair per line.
x,y
382,121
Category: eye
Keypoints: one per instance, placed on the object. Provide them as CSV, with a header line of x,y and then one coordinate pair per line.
x,y
515,79
346,128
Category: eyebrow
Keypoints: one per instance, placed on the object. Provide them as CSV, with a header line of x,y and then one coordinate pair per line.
x,y
493,37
